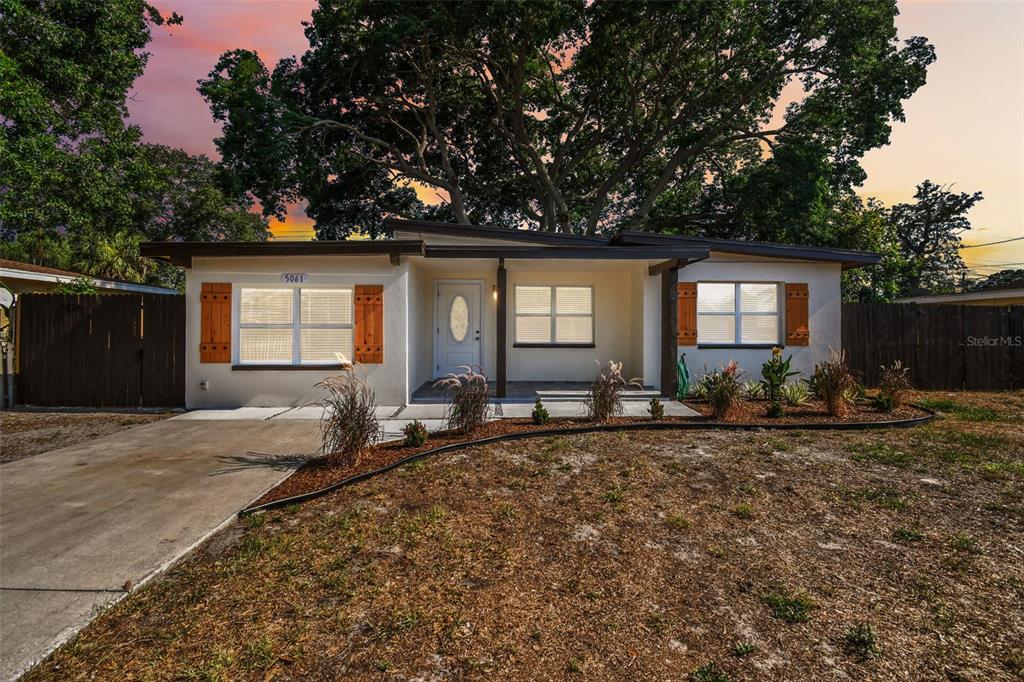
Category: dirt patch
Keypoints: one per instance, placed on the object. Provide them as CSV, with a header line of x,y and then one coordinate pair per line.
x,y
797,555
31,433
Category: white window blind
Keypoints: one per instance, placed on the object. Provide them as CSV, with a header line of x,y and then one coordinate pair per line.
x,y
554,315
737,313
289,326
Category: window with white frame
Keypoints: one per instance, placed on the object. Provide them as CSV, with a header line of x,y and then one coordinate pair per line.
x,y
738,313
293,326
554,315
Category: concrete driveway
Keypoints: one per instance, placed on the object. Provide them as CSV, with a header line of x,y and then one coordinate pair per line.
x,y
79,524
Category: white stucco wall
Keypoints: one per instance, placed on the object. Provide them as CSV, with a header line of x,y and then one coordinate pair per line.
x,y
618,320
824,311
233,388
627,314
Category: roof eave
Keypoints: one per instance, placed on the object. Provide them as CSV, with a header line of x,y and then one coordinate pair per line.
x,y
848,258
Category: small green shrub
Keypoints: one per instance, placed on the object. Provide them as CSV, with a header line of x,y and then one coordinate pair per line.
x,y
775,409
540,413
604,398
415,434
796,609
78,285
902,534
699,390
860,641
741,649
656,410
348,425
752,390
743,511
724,390
835,384
708,673
469,404
795,394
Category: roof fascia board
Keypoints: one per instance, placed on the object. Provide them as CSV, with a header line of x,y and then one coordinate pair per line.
x,y
182,253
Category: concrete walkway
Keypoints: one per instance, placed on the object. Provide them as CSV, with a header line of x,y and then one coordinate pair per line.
x,y
79,524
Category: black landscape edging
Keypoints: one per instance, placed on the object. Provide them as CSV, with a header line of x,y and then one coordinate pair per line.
x,y
594,428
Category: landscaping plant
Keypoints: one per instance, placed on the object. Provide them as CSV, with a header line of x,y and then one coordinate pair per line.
x,y
752,390
775,373
540,413
656,409
893,387
348,425
468,403
604,399
699,390
796,393
415,434
724,390
834,383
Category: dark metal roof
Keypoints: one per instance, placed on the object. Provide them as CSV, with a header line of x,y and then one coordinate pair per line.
x,y
181,253
849,258
491,232
605,252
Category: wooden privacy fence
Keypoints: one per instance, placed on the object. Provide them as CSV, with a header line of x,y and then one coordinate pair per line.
x,y
116,350
946,346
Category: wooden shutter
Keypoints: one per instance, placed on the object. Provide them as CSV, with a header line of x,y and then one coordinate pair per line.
x,y
797,329
215,324
369,331
687,306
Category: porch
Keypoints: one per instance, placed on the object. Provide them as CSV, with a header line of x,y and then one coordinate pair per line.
x,y
529,391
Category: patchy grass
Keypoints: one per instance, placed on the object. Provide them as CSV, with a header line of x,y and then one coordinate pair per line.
x,y
872,555
33,432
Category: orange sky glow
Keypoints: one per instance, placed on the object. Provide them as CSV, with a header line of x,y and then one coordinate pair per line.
x,y
965,126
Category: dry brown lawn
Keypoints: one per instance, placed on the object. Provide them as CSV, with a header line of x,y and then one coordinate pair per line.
x,y
710,555
27,433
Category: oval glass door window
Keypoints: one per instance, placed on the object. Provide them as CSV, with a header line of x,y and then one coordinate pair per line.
x,y
458,318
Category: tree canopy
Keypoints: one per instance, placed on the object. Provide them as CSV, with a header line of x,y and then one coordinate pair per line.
x,y
566,116
78,188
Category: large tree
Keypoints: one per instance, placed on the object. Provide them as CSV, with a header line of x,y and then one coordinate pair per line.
x,y
78,188
567,116
928,234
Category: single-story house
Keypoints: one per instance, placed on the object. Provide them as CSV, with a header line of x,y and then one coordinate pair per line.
x,y
267,320
1011,294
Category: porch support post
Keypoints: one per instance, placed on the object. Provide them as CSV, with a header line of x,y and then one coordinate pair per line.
x,y
502,324
669,331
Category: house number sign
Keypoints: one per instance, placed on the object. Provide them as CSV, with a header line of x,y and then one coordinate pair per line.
x,y
293,277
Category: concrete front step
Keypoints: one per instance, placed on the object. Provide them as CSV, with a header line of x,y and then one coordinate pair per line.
x,y
574,396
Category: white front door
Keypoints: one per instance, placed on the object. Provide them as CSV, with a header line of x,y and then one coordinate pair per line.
x,y
457,326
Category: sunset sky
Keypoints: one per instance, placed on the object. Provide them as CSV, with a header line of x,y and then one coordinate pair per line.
x,y
966,126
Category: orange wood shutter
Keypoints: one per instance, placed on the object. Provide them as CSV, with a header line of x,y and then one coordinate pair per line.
x,y
215,325
797,329
687,306
369,331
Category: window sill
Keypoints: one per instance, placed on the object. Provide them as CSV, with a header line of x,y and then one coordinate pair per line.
x,y
553,345
285,368
739,346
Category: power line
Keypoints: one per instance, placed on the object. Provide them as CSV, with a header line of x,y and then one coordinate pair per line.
x,y
1004,241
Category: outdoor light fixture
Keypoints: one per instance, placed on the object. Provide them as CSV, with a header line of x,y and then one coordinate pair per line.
x,y
494,291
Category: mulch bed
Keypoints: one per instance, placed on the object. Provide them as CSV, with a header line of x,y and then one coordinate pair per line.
x,y
320,473
755,412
